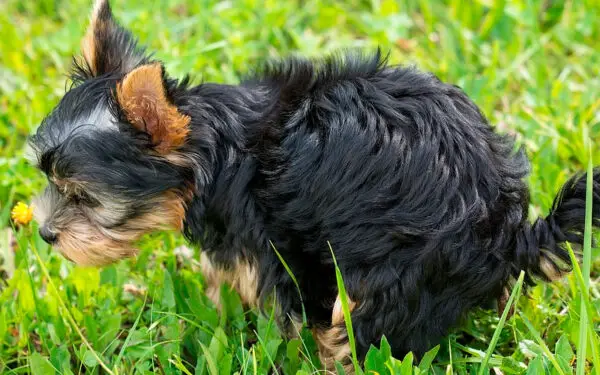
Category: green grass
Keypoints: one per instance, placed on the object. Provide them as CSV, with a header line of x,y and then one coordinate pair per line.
x,y
532,66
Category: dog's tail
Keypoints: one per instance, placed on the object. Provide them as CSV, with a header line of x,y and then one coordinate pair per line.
x,y
540,248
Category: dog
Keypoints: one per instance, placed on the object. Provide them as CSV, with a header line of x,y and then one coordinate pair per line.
x,y
395,173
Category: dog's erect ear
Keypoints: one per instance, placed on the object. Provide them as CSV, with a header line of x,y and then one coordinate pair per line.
x,y
142,98
108,47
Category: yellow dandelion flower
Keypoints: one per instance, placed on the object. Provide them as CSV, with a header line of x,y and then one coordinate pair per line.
x,y
22,213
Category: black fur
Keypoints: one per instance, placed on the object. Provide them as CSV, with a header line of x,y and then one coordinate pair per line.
x,y
424,205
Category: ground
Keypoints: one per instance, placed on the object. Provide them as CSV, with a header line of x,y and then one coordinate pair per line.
x,y
532,66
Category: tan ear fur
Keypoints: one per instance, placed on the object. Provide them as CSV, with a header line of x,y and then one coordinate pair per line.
x,y
142,97
100,11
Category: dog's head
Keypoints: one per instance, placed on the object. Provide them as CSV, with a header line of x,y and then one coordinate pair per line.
x,y
111,151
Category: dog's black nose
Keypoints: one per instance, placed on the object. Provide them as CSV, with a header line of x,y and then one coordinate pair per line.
x,y
48,235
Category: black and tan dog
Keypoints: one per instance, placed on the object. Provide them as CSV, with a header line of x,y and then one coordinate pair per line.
x,y
424,205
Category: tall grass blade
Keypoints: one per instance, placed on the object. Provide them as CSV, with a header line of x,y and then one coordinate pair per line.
x,y
289,271
595,340
516,291
543,345
70,318
266,352
346,310
131,331
584,319
492,18
268,330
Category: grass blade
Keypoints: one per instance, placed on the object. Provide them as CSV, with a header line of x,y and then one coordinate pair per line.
x,y
289,271
268,330
516,291
210,361
346,310
586,299
68,313
131,330
264,345
492,18
584,322
543,345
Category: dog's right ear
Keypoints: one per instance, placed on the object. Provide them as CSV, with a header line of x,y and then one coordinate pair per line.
x,y
107,47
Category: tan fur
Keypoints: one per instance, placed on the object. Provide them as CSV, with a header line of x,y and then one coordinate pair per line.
x,y
502,301
88,44
88,49
242,277
142,96
84,244
69,187
180,159
333,346
333,342
337,314
549,269
87,244
169,213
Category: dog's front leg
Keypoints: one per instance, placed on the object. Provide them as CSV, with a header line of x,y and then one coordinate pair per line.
x,y
240,275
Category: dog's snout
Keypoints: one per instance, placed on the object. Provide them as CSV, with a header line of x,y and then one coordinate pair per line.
x,y
48,235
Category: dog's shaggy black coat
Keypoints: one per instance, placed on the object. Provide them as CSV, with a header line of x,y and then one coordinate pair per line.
x,y
423,204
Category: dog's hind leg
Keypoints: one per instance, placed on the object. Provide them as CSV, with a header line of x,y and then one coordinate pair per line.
x,y
333,341
411,320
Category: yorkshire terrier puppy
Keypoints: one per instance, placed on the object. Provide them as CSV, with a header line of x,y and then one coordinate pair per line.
x,y
424,205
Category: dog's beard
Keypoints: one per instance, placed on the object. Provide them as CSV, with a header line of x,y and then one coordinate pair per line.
x,y
90,244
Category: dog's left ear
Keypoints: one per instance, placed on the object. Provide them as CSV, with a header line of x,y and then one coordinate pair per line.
x,y
143,99
107,47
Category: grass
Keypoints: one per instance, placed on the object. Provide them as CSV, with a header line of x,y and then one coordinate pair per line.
x,y
533,66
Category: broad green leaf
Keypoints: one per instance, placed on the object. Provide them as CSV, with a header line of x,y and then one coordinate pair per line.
x,y
564,352
218,344
386,350
407,365
168,297
210,360
374,362
40,365
536,367
428,358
